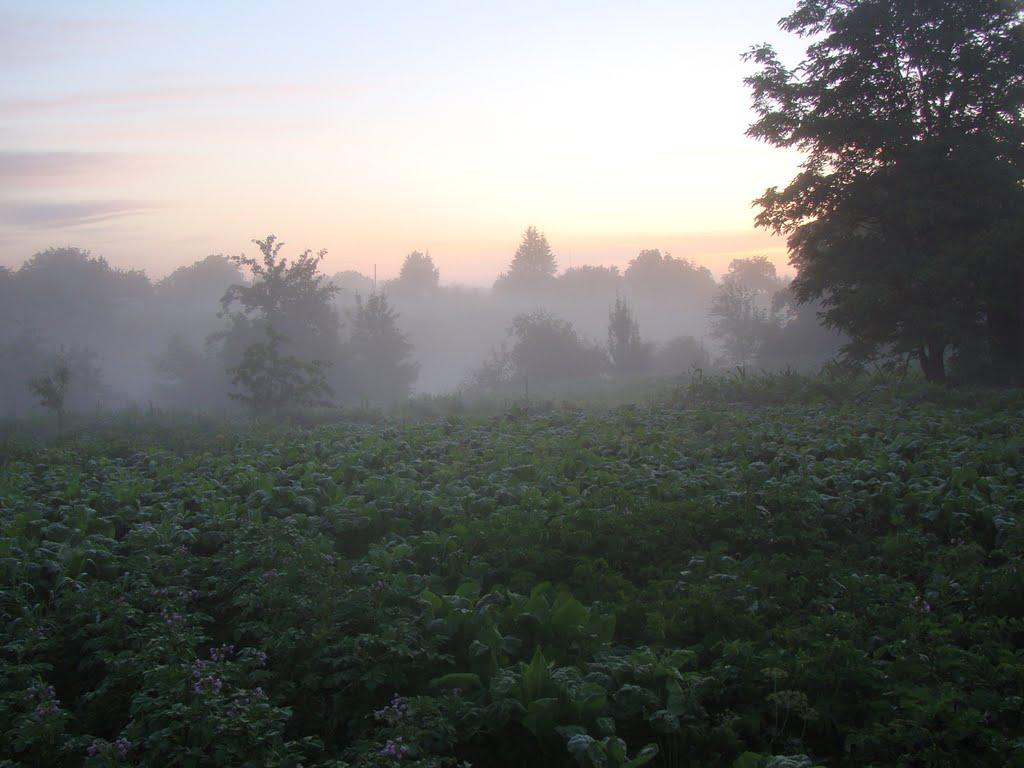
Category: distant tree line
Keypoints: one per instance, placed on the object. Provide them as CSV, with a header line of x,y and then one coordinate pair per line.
x,y
269,332
904,225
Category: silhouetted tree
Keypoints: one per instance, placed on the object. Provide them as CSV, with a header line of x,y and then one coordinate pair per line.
x,y
548,349
418,277
189,377
533,266
8,297
21,355
379,352
743,312
653,274
680,355
494,374
270,380
628,353
905,218
78,301
738,322
351,284
758,274
185,309
283,293
89,390
201,284
796,338
588,282
674,293
51,389
286,312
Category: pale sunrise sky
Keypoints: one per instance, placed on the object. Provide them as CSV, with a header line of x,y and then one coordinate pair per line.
x,y
157,133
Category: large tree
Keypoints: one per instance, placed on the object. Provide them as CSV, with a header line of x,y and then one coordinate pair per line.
x,y
269,381
199,285
628,353
673,293
419,278
380,354
293,295
738,321
547,349
285,315
532,267
904,220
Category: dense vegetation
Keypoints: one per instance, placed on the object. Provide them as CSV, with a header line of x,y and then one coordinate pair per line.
x,y
733,573
904,219
258,331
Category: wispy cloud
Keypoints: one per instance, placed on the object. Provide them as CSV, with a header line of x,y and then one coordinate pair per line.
x,y
35,168
32,214
159,95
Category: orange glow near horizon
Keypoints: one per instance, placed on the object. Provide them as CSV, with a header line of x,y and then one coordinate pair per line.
x,y
610,129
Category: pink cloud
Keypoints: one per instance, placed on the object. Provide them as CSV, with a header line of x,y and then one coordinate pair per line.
x,y
157,95
39,214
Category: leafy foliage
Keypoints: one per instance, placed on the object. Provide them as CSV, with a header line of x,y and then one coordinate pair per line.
x,y
379,352
284,314
738,322
904,220
270,380
628,353
52,389
762,571
546,348
533,265
418,277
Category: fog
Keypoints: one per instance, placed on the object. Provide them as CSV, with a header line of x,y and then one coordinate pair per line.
x,y
271,329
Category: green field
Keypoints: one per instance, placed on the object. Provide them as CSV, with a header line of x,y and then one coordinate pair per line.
x,y
714,579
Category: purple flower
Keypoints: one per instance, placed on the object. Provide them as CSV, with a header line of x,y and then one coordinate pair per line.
x,y
398,709
45,698
394,748
222,653
209,682
46,708
170,617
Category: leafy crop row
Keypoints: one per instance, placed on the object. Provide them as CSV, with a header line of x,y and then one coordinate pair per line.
x,y
674,586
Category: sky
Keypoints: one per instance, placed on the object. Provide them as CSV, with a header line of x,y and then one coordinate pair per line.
x,y
155,134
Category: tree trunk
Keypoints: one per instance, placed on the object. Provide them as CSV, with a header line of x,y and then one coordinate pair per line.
x,y
1020,331
1005,320
931,354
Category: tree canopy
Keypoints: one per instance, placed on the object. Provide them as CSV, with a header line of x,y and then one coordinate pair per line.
x,y
628,353
379,352
904,218
283,319
532,266
419,270
547,348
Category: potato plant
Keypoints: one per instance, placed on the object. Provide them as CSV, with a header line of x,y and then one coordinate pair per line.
x,y
705,580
